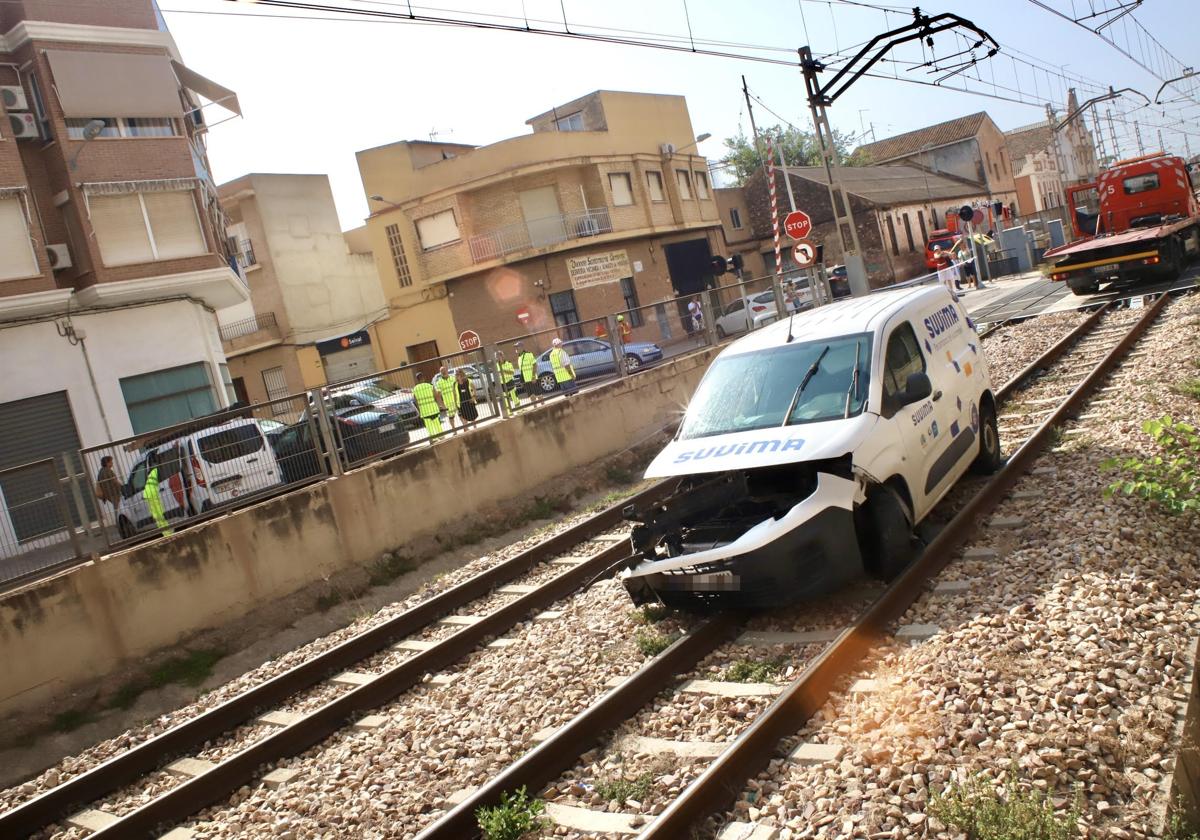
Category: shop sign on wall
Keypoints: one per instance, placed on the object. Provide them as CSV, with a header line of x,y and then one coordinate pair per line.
x,y
594,269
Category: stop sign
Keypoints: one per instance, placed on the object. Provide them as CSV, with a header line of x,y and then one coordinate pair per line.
x,y
797,224
468,340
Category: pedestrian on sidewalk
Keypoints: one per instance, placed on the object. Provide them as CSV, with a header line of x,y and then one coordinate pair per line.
x,y
108,489
508,381
429,406
527,364
153,500
468,412
564,371
448,390
626,330
697,315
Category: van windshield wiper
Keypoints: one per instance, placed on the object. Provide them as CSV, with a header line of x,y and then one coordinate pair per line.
x,y
812,371
853,390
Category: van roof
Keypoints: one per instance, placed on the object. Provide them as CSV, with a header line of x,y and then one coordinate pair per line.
x,y
843,317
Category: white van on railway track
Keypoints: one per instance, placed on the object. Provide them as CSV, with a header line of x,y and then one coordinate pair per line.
x,y
811,449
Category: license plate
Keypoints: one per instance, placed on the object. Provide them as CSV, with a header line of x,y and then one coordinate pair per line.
x,y
1111,268
389,427
715,582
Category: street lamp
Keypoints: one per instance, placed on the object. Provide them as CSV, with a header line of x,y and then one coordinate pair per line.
x,y
699,139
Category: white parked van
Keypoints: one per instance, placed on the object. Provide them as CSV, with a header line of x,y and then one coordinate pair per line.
x,y
202,468
812,447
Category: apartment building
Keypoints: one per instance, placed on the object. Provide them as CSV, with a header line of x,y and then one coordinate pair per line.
x,y
315,297
603,206
112,255
970,148
1046,161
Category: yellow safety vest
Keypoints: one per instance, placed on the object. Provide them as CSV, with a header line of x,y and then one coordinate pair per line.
x,y
426,401
528,363
507,372
449,388
559,361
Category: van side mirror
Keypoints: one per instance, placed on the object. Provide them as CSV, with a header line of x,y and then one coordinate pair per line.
x,y
918,387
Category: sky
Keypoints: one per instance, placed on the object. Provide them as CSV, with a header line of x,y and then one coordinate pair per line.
x,y
313,92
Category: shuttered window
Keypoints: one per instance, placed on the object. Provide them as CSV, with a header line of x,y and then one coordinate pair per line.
x,y
16,249
143,227
655,185
438,229
702,185
399,258
622,192
685,184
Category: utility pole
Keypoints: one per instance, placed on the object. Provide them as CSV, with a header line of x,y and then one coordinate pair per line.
x,y
1099,134
1112,133
1059,157
1161,146
765,157
1137,132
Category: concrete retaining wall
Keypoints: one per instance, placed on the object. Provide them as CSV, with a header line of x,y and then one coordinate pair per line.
x,y
71,630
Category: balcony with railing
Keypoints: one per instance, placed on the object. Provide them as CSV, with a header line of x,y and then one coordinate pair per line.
x,y
242,335
245,254
539,233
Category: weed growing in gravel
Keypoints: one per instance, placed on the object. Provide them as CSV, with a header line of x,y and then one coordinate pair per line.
x,y
651,643
1172,477
1177,828
192,669
1009,813
621,789
515,816
1188,388
650,614
389,567
618,475
751,671
328,601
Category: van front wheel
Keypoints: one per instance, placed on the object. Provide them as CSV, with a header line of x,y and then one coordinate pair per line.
x,y
885,534
991,457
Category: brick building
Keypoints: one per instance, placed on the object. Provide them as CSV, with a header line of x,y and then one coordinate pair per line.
x,y
112,251
603,207
315,294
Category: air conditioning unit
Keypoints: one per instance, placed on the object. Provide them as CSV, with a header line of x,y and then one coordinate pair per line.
x,y
13,97
587,226
23,126
59,256
667,148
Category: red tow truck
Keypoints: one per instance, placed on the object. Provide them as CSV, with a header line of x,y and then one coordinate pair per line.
x,y
1139,221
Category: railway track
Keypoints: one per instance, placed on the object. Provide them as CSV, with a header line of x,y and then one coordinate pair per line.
x,y
397,662
1071,370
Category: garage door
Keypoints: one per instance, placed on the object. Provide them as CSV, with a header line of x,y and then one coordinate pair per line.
x,y
33,429
349,364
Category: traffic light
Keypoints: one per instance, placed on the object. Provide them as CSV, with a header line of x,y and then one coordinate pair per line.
x,y
736,262
718,265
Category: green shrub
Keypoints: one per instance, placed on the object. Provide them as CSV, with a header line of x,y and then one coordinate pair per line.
x,y
515,816
985,813
750,671
652,644
650,614
1171,477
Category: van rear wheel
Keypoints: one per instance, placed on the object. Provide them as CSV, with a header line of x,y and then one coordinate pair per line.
x,y
885,534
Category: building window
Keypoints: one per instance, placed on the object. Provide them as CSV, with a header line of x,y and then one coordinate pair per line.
x,y
571,122
17,258
562,304
277,388
399,259
39,107
438,229
655,185
892,234
622,190
227,380
735,218
125,127
685,184
145,227
924,230
629,292
702,186
166,397
908,233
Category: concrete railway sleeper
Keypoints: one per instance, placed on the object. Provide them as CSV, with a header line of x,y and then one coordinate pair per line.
x,y
758,742
188,737
212,781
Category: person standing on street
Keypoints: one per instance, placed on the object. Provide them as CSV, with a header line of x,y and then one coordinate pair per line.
x,y
468,412
624,328
564,371
601,329
527,364
428,406
446,386
108,487
508,381
697,315
153,500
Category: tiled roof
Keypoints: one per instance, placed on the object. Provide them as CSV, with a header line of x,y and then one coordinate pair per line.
x,y
891,185
1027,141
932,136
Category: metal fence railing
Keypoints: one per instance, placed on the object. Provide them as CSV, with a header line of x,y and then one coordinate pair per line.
x,y
539,233
248,326
37,534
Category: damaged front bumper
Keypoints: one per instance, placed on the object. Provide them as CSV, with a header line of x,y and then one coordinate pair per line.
x,y
809,550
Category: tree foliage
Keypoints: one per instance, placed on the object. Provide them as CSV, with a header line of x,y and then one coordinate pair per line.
x,y
1172,476
800,148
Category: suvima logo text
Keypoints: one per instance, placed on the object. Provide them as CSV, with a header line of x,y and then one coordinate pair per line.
x,y
756,447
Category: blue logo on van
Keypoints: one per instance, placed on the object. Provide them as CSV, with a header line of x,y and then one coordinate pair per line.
x,y
942,320
755,447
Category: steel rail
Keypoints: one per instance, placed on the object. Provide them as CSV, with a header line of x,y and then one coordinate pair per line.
x,y
188,736
545,762
725,778
1052,354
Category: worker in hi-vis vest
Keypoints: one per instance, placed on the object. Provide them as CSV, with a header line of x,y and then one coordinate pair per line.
x,y
153,500
428,405
448,388
564,371
508,380
527,364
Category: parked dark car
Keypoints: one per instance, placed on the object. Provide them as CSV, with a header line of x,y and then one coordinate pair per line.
x,y
398,401
839,282
362,433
